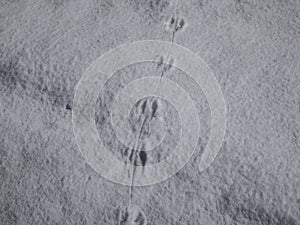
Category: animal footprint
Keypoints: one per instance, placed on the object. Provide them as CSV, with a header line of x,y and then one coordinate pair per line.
x,y
132,216
164,65
175,24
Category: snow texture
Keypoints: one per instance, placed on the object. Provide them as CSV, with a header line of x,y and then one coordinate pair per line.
x,y
252,47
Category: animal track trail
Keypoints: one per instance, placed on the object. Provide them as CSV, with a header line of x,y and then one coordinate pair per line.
x,y
147,111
